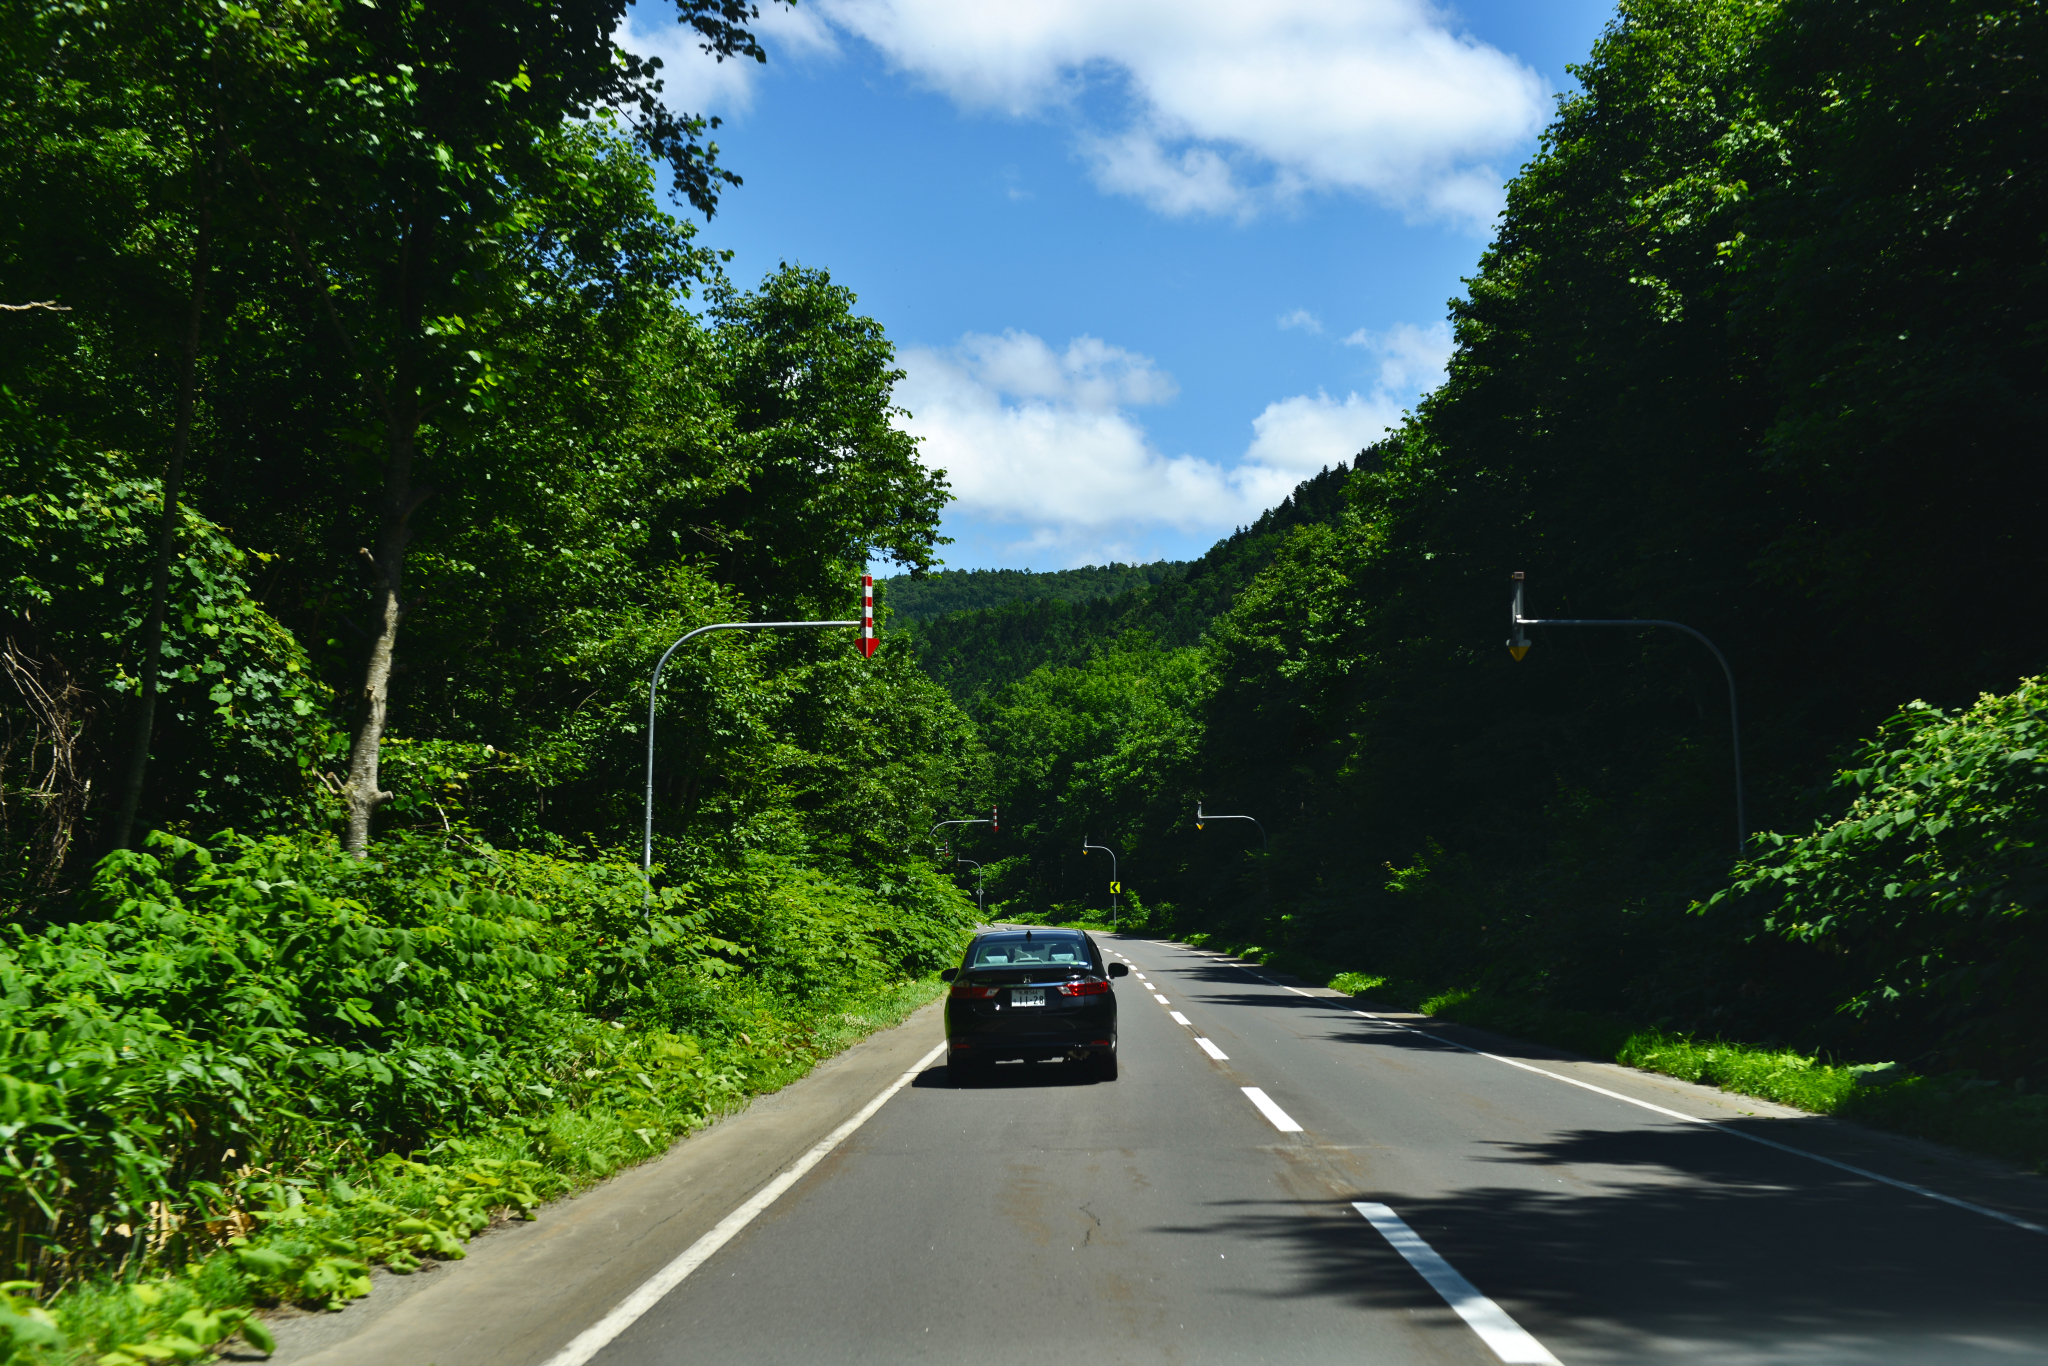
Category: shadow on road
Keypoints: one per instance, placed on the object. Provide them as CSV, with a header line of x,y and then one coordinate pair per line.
x,y
1010,1076
1687,1249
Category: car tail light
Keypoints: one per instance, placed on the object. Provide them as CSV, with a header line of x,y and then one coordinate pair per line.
x,y
964,992
1084,988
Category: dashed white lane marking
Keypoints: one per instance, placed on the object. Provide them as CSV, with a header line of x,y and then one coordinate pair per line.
x,y
1508,1339
1893,1182
1212,1050
1179,1018
595,1338
1161,999
1281,1119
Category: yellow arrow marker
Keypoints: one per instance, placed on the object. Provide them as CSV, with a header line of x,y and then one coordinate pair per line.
x,y
1518,651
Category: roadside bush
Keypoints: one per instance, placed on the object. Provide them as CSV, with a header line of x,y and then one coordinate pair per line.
x,y
233,1032
1930,890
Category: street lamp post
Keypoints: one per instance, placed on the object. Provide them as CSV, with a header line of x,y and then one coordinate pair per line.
x,y
868,642
1265,867
1114,885
1518,646
977,881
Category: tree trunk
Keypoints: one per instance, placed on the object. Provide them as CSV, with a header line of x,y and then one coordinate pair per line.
x,y
400,499
130,797
402,415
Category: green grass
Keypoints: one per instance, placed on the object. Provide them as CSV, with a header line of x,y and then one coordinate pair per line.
x,y
343,1223
1783,1075
1960,1110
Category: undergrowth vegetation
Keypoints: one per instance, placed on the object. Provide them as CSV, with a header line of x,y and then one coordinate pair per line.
x,y
251,1071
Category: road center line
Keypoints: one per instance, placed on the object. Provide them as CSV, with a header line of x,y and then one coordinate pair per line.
x,y
1508,1339
1894,1182
1281,1119
1211,1049
1179,1018
1161,999
595,1338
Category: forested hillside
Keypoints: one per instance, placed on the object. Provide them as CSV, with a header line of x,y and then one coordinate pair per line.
x,y
975,651
367,432
944,592
1756,349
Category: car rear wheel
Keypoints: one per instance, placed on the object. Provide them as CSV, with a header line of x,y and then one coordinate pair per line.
x,y
1105,1065
963,1070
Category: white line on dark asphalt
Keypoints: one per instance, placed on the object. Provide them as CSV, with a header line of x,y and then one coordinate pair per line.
x,y
1282,1121
595,1338
1508,1339
1999,1215
1212,1050
1161,999
2004,1218
1179,1018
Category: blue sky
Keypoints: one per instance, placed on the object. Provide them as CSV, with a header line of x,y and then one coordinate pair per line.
x,y
1147,263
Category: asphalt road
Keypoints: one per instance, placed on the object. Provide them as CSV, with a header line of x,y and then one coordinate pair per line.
x,y
878,1212
1167,1217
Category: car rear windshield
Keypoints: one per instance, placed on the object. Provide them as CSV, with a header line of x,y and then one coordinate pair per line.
x,y
1036,952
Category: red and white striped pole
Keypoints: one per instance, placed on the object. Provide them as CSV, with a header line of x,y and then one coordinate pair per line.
x,y
868,642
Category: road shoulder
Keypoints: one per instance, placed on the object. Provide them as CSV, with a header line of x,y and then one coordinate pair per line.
x,y
526,1289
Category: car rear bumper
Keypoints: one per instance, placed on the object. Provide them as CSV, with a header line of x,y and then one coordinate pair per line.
x,y
1029,1047
1000,1039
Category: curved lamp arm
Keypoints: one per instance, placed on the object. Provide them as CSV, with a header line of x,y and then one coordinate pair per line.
x,y
1199,818
647,835
1519,646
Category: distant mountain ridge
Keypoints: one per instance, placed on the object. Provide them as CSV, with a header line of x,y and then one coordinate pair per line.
x,y
972,590
975,651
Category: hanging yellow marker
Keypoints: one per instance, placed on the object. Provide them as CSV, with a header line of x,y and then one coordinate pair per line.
x,y
1518,651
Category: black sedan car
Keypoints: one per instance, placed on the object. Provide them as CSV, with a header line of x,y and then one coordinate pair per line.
x,y
1031,994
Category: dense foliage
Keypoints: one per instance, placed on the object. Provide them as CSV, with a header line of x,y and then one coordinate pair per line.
x,y
1756,349
367,432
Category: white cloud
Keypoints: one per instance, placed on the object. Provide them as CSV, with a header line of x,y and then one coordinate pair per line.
x,y
1236,107
1042,437
1411,358
1303,319
694,83
1049,441
1300,435
1303,434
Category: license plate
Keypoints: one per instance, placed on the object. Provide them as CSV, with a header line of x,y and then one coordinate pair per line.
x,y
1034,997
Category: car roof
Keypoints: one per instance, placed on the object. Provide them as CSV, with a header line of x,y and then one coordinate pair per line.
x,y
1034,932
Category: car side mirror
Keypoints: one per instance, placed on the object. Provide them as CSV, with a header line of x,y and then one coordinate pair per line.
x,y
1119,969
949,974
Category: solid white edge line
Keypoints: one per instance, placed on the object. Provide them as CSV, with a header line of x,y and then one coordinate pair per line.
x,y
1281,1120
599,1335
1212,1050
1179,1018
1509,1340
1723,1127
